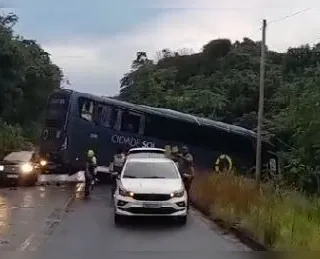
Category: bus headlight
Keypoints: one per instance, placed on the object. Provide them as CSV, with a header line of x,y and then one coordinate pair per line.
x,y
26,168
43,162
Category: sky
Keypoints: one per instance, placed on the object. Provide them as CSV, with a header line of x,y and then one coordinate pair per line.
x,y
94,42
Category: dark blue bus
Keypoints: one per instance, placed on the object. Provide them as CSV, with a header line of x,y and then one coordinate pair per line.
x,y
76,122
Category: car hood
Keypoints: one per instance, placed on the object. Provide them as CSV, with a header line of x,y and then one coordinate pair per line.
x,y
160,186
5,162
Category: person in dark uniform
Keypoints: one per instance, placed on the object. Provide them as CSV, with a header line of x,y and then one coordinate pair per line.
x,y
118,161
186,169
91,164
175,155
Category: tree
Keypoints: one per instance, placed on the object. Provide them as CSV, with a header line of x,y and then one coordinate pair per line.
x,y
222,83
27,76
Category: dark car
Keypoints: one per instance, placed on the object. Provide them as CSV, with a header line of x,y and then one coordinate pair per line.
x,y
19,168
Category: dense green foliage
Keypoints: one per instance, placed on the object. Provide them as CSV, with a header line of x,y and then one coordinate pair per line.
x,y
27,75
222,83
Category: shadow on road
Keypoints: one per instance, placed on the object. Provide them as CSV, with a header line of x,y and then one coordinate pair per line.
x,y
149,223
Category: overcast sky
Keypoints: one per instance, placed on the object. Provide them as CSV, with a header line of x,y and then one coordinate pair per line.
x,y
94,42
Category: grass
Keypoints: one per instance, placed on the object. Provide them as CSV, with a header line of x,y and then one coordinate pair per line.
x,y
283,220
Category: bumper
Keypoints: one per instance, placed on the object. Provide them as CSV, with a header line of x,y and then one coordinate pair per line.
x,y
127,206
17,178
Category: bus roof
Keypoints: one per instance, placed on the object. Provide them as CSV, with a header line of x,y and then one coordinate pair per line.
x,y
173,115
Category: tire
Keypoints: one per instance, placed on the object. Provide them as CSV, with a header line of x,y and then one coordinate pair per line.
x,y
30,182
182,220
33,183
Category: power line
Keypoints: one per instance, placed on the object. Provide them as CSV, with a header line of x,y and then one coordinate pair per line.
x,y
289,16
279,20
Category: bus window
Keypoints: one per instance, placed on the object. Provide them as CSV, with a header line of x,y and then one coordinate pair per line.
x,y
98,115
110,116
86,107
132,122
105,115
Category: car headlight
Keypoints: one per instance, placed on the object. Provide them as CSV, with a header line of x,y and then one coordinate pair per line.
x,y
26,168
125,193
43,162
177,194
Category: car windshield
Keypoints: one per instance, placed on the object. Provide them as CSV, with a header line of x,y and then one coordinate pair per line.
x,y
22,156
154,169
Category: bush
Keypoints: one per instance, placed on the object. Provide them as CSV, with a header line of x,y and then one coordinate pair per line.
x,y
283,220
11,138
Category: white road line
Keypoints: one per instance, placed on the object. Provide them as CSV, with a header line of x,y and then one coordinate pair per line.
x,y
27,242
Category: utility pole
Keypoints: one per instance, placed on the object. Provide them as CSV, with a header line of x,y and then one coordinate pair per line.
x,y
261,102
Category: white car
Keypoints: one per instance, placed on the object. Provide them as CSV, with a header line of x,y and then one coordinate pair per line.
x,y
150,187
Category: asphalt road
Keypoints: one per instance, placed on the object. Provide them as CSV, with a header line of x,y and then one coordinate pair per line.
x,y
56,222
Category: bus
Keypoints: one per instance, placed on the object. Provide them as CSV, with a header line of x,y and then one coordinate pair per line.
x,y
75,122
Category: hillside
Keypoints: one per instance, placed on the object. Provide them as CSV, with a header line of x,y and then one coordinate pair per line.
x,y
222,83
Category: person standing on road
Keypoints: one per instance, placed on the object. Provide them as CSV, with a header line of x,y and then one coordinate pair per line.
x,y
186,169
91,164
175,155
118,161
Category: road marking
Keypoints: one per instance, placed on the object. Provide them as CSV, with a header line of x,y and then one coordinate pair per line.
x,y
33,241
27,242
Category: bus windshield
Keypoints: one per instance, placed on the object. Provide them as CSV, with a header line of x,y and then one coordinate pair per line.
x,y
57,107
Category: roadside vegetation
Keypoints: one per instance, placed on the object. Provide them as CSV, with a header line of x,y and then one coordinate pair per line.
x,y
222,82
27,75
281,219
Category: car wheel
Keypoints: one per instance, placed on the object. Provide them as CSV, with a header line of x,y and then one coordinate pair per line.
x,y
33,183
30,182
182,220
34,180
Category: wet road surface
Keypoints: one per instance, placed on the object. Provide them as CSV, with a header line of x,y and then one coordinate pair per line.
x,y
56,222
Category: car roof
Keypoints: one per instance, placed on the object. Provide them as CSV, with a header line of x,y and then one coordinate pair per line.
x,y
149,160
23,152
146,149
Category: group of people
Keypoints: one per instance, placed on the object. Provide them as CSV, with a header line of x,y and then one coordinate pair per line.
x,y
91,164
183,160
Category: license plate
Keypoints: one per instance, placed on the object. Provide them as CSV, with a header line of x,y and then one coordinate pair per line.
x,y
1,167
152,205
14,176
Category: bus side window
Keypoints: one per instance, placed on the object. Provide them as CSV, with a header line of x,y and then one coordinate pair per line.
x,y
98,115
86,110
132,122
110,117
